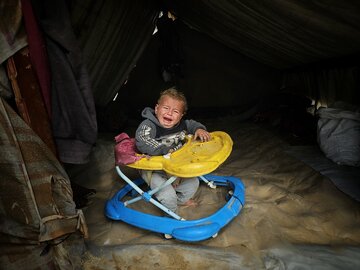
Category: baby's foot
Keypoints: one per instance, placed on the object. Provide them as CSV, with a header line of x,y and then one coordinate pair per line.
x,y
190,202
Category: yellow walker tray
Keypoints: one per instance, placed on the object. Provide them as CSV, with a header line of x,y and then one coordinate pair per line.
x,y
195,158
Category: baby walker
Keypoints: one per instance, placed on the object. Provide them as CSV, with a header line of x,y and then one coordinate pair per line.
x,y
194,159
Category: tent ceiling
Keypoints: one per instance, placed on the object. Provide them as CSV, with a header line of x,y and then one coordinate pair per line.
x,y
281,34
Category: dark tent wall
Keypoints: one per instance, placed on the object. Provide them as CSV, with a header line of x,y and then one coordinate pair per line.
x,y
326,82
213,78
282,34
113,35
314,44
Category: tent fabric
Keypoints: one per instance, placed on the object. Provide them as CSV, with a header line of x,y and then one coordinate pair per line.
x,y
73,119
281,34
37,53
325,85
316,44
13,35
29,100
113,35
5,86
36,205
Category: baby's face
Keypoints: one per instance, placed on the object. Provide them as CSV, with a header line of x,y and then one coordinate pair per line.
x,y
169,111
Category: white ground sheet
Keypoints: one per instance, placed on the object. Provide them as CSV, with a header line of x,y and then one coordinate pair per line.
x,y
294,217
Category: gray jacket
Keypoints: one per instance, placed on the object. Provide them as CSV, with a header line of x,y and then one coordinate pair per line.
x,y
153,139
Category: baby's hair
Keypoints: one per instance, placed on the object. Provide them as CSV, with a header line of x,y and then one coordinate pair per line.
x,y
175,94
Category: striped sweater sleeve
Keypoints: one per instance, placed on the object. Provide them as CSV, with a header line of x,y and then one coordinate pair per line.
x,y
145,140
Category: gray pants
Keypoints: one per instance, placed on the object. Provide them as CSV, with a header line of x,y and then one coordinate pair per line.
x,y
182,190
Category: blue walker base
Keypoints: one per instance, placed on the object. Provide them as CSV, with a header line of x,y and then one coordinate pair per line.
x,y
185,230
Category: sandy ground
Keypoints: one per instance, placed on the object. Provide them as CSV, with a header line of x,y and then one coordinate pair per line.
x,y
294,217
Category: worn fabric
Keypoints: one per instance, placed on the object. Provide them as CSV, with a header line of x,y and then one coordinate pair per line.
x,y
5,87
12,34
38,55
125,150
73,116
113,36
338,134
281,34
37,212
28,97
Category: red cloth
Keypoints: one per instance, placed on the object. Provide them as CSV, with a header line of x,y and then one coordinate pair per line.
x,y
38,53
125,150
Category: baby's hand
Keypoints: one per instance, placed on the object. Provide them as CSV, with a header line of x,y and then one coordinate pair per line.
x,y
202,135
